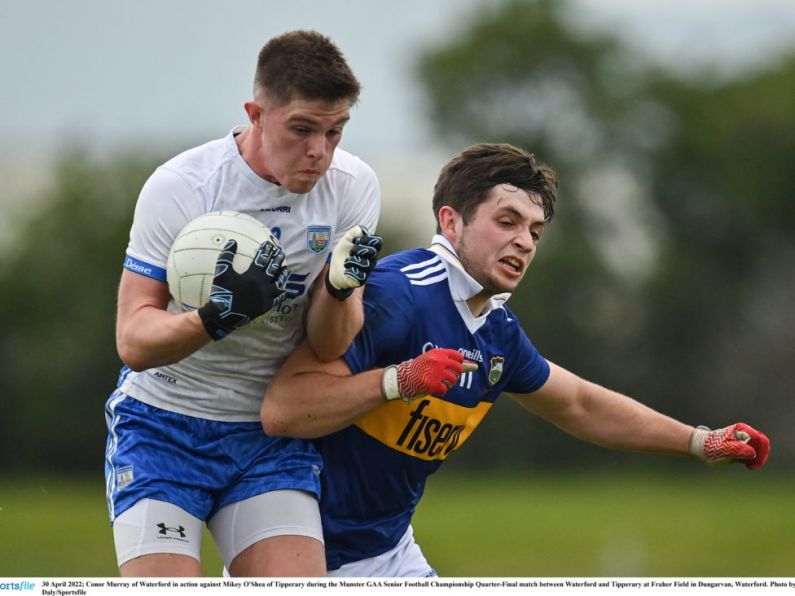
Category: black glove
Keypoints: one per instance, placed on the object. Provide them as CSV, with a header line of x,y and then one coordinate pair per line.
x,y
237,298
352,262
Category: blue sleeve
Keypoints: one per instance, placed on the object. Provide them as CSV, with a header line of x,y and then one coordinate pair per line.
x,y
531,370
388,312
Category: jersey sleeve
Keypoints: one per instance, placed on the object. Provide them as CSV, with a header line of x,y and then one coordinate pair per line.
x,y
531,370
165,204
388,312
361,200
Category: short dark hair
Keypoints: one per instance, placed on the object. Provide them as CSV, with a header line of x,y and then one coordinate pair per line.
x,y
467,179
304,64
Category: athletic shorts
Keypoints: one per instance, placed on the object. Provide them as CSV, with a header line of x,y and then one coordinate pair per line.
x,y
196,464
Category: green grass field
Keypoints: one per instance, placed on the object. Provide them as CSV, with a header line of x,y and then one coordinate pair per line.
x,y
726,523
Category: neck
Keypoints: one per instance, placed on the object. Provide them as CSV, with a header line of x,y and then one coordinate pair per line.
x,y
477,304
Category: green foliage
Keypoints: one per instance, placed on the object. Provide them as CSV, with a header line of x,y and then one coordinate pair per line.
x,y
58,286
703,329
695,170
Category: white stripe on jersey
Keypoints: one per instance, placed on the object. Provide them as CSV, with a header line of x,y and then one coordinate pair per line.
x,y
426,272
429,267
413,266
429,281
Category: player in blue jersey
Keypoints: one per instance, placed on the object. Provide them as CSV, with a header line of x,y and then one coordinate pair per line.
x,y
185,445
437,348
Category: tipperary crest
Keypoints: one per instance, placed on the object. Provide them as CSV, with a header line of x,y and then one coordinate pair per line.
x,y
318,238
495,371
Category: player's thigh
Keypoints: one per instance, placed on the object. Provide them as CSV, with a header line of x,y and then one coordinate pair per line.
x,y
161,565
154,538
281,556
276,533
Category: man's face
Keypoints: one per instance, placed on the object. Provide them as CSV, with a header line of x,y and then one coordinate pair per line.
x,y
298,140
500,240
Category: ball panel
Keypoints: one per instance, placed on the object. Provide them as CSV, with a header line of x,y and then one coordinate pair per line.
x,y
191,261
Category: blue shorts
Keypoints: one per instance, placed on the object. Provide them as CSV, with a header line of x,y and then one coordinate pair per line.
x,y
196,464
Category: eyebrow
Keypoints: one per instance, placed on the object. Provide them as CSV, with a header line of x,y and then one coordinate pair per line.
x,y
314,121
503,209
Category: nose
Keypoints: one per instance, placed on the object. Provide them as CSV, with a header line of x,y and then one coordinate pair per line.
x,y
524,241
316,146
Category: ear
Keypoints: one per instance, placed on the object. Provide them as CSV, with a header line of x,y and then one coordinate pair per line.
x,y
254,111
450,223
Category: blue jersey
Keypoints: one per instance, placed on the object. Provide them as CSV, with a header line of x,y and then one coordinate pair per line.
x,y
375,470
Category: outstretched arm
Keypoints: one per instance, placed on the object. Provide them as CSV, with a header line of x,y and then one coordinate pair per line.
x,y
607,418
310,398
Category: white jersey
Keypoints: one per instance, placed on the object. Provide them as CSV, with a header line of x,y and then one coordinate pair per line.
x,y
225,380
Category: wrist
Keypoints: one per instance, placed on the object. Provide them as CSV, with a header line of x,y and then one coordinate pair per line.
x,y
209,314
390,388
336,293
698,439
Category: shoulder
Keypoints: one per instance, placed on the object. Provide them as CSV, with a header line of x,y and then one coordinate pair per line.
x,y
348,165
503,318
413,265
406,275
196,165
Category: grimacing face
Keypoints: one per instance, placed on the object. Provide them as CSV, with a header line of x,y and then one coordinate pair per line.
x,y
298,140
499,242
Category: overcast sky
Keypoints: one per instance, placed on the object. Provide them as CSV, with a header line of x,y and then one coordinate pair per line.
x,y
180,69
170,73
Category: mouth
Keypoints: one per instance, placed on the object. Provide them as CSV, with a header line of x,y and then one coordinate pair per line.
x,y
512,264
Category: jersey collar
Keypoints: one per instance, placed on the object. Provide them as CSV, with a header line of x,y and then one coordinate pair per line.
x,y
462,285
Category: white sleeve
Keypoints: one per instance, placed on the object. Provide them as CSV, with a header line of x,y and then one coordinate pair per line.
x,y
166,203
361,202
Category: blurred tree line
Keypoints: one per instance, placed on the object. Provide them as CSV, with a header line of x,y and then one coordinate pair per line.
x,y
667,273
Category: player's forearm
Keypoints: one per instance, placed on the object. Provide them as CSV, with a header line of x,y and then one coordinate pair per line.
x,y
313,404
604,417
332,324
154,337
616,421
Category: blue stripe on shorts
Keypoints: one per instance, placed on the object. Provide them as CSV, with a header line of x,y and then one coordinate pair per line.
x,y
196,464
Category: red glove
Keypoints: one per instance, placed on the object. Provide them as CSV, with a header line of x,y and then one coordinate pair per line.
x,y
432,373
738,442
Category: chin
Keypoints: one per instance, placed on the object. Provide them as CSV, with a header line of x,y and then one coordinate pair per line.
x,y
300,188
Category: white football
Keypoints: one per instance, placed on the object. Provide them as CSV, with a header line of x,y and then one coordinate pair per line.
x,y
191,262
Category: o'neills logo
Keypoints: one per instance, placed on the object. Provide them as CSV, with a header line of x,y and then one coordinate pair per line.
x,y
430,428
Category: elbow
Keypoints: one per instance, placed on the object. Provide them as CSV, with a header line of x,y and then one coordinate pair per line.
x,y
274,427
328,349
132,358
285,422
279,426
274,422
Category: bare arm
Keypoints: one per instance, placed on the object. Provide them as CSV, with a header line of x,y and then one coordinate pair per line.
x,y
310,398
601,416
332,324
146,334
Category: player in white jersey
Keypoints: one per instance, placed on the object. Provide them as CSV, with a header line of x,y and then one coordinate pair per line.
x,y
185,443
437,348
